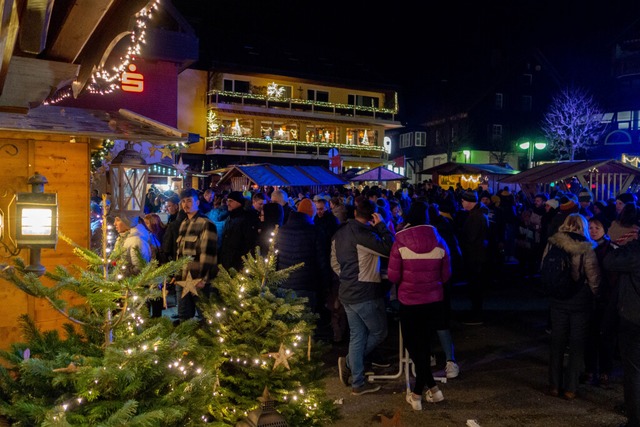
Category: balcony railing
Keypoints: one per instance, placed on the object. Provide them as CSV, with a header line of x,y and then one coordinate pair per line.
x,y
292,104
275,146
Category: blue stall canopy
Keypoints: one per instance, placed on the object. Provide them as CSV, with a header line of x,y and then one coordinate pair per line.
x,y
240,177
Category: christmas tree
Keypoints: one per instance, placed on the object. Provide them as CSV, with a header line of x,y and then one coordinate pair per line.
x,y
115,365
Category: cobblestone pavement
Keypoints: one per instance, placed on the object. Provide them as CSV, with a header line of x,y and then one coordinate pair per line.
x,y
503,373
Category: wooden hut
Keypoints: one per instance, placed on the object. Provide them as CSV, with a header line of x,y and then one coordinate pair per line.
x,y
604,178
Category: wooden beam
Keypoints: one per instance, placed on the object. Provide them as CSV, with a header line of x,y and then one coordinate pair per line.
x,y
120,19
81,22
9,25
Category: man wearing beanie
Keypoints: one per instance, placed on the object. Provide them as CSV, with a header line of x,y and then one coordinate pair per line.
x,y
473,239
198,239
300,240
568,204
240,233
585,201
622,199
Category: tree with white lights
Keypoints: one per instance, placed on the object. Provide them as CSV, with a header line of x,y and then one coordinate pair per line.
x,y
572,123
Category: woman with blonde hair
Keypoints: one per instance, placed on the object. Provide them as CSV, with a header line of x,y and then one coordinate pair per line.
x,y
570,316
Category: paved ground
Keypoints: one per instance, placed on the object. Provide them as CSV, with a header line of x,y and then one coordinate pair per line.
x,y
503,374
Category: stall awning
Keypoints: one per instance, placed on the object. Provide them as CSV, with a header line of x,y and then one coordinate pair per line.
x,y
380,173
453,168
275,175
553,172
81,122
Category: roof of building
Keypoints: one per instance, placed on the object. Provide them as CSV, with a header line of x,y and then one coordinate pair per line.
x,y
276,175
553,172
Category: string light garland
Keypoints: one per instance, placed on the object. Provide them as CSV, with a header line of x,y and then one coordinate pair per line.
x,y
105,81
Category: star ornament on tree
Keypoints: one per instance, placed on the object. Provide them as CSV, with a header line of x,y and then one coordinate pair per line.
x,y
281,357
188,285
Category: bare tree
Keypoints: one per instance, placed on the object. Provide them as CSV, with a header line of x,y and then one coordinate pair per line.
x,y
572,123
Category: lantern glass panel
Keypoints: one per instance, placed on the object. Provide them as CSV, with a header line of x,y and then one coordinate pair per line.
x,y
36,222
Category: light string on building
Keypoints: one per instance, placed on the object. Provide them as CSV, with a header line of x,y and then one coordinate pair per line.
x,y
105,81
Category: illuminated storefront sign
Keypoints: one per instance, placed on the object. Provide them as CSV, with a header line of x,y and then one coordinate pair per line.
x,y
132,81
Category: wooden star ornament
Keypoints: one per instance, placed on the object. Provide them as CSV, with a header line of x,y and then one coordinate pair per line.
x,y
391,422
188,285
281,357
166,152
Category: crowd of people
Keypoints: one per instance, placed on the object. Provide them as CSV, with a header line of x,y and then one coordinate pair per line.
x,y
369,252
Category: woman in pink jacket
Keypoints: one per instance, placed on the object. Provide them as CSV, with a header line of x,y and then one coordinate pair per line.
x,y
419,264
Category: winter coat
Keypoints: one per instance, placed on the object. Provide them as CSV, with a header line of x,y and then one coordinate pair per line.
x,y
577,245
356,249
625,260
419,264
299,240
127,244
474,239
239,237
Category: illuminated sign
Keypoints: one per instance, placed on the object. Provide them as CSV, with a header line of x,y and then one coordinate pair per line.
x,y
132,81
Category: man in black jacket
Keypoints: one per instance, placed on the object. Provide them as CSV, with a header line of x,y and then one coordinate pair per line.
x,y
240,233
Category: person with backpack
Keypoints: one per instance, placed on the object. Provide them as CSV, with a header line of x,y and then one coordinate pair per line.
x,y
570,274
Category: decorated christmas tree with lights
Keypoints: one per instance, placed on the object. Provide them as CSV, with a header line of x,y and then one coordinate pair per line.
x,y
115,365
263,334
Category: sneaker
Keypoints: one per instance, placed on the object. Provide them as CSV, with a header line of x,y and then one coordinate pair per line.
x,y
434,395
365,388
343,371
452,369
415,404
433,360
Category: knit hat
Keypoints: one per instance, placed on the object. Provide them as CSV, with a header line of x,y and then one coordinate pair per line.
x,y
306,206
568,203
584,196
553,203
485,194
626,198
129,221
237,196
470,196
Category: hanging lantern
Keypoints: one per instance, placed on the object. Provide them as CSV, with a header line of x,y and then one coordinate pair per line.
x,y
129,173
265,416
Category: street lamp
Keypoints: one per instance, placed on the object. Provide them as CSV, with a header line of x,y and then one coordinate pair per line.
x,y
530,148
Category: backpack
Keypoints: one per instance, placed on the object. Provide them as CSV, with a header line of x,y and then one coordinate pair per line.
x,y
555,274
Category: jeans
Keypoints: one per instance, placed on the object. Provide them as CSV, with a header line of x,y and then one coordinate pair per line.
x,y
629,342
367,329
569,327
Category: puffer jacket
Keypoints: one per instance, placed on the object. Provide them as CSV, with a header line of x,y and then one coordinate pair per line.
x,y
356,249
299,240
577,246
419,263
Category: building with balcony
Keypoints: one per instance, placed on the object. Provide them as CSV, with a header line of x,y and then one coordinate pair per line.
x,y
278,119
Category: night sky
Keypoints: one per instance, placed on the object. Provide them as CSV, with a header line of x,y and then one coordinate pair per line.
x,y
409,45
